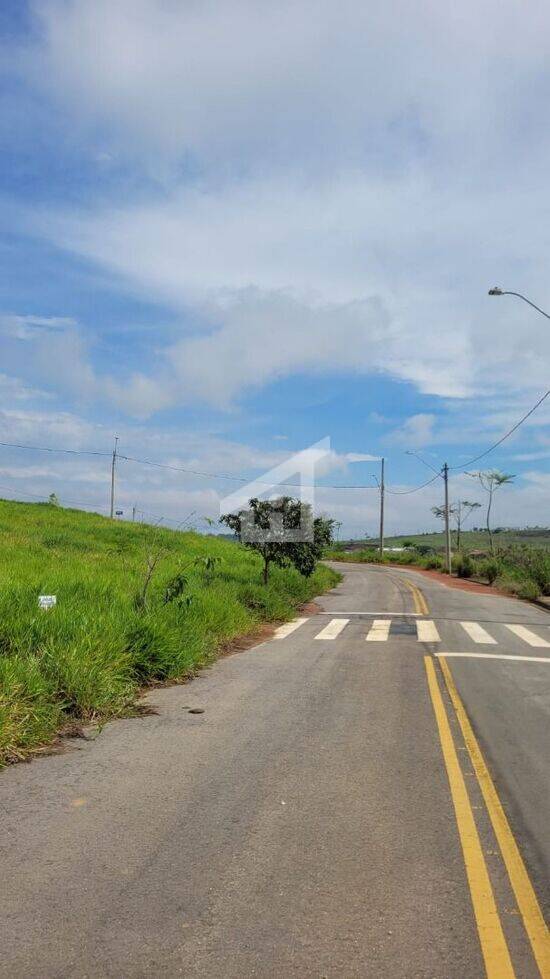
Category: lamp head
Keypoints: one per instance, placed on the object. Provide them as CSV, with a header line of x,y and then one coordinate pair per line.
x,y
495,291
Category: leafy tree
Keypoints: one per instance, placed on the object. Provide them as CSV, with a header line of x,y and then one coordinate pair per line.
x,y
283,531
490,481
53,500
459,512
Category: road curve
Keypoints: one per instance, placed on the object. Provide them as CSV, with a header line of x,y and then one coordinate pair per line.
x,y
325,816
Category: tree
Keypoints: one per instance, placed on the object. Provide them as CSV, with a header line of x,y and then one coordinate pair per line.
x,y
491,480
283,531
459,512
53,500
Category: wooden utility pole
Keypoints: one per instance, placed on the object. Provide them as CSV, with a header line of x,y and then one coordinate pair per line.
x,y
448,553
381,546
113,467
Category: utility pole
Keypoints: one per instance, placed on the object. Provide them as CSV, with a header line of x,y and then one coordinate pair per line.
x,y
113,467
382,487
134,513
448,554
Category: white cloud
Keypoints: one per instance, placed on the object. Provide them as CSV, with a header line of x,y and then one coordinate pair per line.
x,y
415,432
360,457
85,480
304,78
13,389
333,188
312,188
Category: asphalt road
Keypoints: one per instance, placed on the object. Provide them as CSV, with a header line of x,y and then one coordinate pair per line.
x,y
324,816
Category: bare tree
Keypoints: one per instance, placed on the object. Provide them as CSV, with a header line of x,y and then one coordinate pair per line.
x,y
459,512
491,480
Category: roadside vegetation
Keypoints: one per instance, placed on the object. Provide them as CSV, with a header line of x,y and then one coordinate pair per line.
x,y
518,569
135,604
473,539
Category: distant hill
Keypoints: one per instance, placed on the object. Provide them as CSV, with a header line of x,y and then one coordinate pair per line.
x,y
472,540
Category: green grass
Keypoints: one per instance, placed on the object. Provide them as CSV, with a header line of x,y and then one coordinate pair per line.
x,y
520,569
475,539
85,659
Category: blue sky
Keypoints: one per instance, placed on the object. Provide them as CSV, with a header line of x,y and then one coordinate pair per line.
x,y
230,231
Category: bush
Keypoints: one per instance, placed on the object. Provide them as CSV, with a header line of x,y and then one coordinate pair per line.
x,y
489,569
527,562
529,590
463,565
433,563
525,588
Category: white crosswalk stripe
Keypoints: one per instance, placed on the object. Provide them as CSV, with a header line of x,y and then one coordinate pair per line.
x,y
288,628
333,629
427,631
379,631
478,633
528,636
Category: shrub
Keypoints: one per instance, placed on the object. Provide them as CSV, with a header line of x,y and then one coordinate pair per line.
x,y
463,565
529,590
525,588
433,563
424,549
489,569
527,562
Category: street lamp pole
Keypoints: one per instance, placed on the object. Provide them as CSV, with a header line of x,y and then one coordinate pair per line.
x,y
495,291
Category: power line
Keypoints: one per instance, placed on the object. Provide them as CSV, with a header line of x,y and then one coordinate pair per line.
x,y
200,473
238,479
245,479
182,469
416,488
465,465
42,448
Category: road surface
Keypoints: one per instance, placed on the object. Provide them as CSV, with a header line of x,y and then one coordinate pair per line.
x,y
325,816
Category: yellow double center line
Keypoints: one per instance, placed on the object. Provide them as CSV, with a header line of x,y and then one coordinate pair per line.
x,y
526,898
420,605
498,964
495,952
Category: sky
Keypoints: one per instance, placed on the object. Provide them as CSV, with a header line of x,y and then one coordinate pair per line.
x,y
231,230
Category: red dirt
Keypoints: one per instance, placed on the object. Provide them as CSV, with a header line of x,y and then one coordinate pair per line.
x,y
463,584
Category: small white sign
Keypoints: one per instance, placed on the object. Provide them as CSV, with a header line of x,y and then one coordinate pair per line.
x,y
47,601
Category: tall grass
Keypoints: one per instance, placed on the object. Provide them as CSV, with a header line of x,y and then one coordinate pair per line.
x,y
86,658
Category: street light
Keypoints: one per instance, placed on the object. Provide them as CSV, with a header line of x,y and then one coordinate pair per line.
x,y
495,291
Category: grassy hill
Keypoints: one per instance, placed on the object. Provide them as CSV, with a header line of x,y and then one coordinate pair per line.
x,y
473,540
113,628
